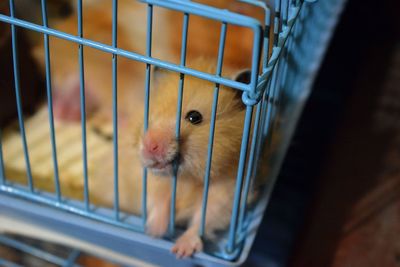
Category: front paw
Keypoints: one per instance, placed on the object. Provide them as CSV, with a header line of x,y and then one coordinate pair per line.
x,y
157,224
187,245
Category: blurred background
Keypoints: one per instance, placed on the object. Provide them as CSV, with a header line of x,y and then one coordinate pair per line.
x,y
337,200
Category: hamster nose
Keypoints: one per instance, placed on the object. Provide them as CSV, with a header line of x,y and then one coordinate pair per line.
x,y
66,101
155,145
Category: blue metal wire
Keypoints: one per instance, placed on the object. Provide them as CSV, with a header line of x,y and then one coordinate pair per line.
x,y
6,263
50,103
83,107
32,250
18,97
239,180
250,168
267,27
276,78
174,181
115,106
212,129
129,54
285,12
102,215
277,20
147,105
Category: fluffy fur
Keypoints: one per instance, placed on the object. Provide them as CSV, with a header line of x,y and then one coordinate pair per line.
x,y
192,147
203,39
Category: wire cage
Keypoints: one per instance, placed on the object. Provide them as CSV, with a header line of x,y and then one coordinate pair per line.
x,y
19,251
287,45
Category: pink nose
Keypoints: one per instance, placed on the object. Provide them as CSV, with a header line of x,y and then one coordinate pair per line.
x,y
155,144
66,102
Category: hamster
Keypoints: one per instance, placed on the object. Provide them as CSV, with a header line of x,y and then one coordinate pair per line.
x,y
158,148
97,67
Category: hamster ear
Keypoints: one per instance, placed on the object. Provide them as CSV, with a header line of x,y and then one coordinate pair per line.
x,y
243,76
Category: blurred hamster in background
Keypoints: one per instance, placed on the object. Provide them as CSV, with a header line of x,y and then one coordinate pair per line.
x,y
203,41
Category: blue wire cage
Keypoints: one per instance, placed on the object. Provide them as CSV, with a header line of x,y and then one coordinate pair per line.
x,y
288,47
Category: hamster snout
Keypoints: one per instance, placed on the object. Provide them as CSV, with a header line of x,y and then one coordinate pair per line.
x,y
66,102
159,149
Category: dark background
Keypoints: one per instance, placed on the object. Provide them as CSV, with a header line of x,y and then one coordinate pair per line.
x,y
337,200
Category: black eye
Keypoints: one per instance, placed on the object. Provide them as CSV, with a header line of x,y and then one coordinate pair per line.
x,y
194,117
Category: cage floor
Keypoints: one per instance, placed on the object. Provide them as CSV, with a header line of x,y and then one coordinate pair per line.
x,y
17,251
69,153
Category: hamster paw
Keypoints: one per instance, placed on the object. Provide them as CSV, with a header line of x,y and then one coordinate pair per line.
x,y
157,224
187,245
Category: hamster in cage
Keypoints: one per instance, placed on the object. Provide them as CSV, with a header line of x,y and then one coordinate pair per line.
x,y
67,151
158,149
191,149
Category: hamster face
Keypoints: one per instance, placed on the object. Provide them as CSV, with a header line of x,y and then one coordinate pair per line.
x,y
159,148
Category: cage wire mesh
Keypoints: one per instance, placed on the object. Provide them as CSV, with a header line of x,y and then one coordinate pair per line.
x,y
287,45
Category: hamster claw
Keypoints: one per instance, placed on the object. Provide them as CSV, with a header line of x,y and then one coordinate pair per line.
x,y
186,245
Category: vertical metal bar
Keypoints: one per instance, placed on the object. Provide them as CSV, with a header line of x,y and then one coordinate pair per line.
x,y
115,106
250,167
285,11
267,32
178,119
255,60
50,102
2,173
146,106
18,97
277,19
239,180
278,85
270,98
212,129
260,142
83,108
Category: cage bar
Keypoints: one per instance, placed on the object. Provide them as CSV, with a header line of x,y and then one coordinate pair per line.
x,y
6,263
277,20
250,168
32,250
50,102
115,106
129,54
18,97
239,180
174,181
83,107
220,60
146,106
